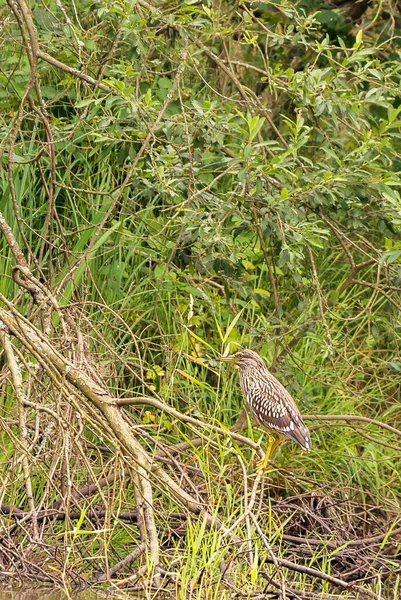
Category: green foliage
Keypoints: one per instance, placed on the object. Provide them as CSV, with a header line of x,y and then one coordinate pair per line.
x,y
253,199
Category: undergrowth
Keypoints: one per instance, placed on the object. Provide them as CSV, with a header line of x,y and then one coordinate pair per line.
x,y
181,180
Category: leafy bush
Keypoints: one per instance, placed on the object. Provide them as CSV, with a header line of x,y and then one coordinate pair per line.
x,y
187,178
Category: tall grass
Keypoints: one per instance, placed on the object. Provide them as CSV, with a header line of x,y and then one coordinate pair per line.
x,y
241,225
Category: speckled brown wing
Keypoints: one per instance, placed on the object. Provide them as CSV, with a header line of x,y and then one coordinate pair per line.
x,y
274,408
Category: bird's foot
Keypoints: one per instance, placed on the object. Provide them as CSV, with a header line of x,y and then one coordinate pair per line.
x,y
263,465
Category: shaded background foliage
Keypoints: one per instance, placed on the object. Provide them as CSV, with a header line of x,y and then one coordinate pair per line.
x,y
218,174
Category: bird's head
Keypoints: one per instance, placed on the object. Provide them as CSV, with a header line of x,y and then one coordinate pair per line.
x,y
245,359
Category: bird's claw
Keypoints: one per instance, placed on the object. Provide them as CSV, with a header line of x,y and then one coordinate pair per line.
x,y
263,465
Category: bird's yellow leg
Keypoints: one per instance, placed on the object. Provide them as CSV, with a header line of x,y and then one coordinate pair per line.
x,y
272,445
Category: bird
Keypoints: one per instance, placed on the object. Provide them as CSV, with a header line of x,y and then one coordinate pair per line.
x,y
270,404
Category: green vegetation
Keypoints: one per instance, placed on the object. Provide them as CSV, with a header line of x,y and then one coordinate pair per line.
x,y
180,179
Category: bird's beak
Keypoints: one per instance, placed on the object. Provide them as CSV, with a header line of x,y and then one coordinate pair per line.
x,y
229,358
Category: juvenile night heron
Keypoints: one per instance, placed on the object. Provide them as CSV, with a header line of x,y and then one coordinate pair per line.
x,y
269,403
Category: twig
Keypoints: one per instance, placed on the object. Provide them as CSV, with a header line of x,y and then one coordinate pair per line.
x,y
73,71
320,575
315,279
187,419
125,561
352,418
18,387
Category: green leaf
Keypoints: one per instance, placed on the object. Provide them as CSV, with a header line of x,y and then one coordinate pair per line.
x,y
196,381
232,325
390,256
262,292
358,39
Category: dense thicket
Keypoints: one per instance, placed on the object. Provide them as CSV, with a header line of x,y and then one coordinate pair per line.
x,y
180,179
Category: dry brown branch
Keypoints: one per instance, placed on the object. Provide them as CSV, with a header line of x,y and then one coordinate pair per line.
x,y
73,71
320,575
352,418
378,288
125,561
188,419
374,539
20,396
12,242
